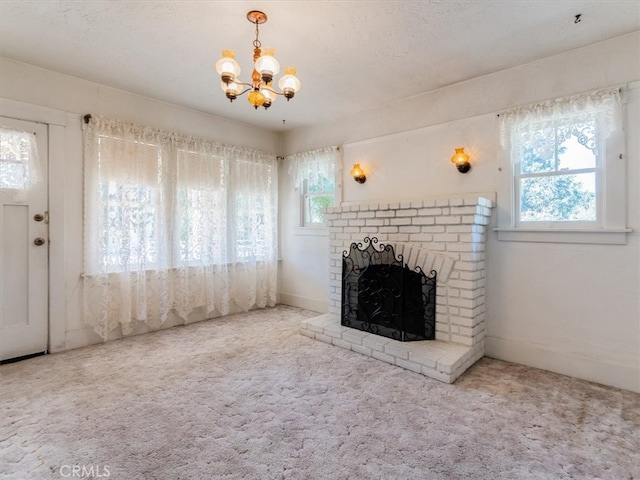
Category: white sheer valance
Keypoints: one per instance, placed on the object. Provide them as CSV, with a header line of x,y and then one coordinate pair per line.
x,y
174,223
566,116
313,165
19,161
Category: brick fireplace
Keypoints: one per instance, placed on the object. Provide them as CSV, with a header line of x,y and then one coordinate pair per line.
x,y
444,234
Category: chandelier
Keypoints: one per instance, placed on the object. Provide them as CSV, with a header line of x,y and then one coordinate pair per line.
x,y
265,67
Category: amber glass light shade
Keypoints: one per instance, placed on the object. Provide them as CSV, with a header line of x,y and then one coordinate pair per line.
x,y
256,98
358,174
461,160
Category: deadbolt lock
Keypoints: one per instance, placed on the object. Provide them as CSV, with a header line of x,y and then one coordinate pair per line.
x,y
39,241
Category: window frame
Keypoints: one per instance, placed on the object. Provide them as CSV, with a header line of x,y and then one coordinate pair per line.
x,y
611,199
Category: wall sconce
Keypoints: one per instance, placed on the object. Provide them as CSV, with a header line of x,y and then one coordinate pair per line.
x,y
461,160
357,173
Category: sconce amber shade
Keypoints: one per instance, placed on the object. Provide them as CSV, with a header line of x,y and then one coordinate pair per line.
x,y
358,174
461,160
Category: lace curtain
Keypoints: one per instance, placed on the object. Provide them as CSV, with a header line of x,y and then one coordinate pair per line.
x,y
174,223
570,116
19,161
313,165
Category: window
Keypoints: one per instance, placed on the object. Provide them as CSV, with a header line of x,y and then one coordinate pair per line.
x,y
174,223
314,174
317,196
562,171
18,160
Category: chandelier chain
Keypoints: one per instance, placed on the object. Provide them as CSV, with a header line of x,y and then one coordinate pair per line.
x,y
256,42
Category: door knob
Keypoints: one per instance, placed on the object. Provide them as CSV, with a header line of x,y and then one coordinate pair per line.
x,y
38,217
39,241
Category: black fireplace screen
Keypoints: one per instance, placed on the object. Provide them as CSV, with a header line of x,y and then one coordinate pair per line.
x,y
382,295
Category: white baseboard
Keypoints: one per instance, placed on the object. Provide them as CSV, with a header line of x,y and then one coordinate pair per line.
x,y
616,375
320,306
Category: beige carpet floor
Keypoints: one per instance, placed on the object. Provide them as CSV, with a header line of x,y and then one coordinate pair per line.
x,y
248,397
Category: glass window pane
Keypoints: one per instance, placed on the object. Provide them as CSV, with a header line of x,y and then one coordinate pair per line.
x,y
562,198
14,160
537,151
573,155
315,205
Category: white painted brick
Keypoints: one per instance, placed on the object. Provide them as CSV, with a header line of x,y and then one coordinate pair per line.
x,y
434,229
349,215
398,237
459,229
340,223
409,365
394,205
341,343
307,333
398,221
448,220
445,237
472,275
459,247
420,237
462,340
363,350
423,220
410,212
443,202
473,294
383,357
367,214
469,210
354,336
374,222
436,375
397,349
430,212
357,223
418,204
425,356
388,230
385,213
375,342
352,229
323,338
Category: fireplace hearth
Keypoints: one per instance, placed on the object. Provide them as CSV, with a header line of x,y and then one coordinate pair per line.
x,y
383,296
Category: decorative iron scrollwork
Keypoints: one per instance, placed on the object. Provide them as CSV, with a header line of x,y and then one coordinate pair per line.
x,y
382,295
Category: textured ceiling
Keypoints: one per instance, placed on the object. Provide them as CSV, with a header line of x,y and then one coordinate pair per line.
x,y
350,55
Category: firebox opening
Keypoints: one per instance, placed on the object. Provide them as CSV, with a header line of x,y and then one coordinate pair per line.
x,y
382,295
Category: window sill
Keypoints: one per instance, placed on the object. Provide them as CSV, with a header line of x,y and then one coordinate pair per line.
x,y
616,236
319,231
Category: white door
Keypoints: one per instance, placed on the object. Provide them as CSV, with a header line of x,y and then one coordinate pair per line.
x,y
24,243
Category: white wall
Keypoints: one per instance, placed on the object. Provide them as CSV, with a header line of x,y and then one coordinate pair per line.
x,y
572,309
41,95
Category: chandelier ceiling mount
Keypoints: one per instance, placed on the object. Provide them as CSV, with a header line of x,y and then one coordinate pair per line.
x,y
265,67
